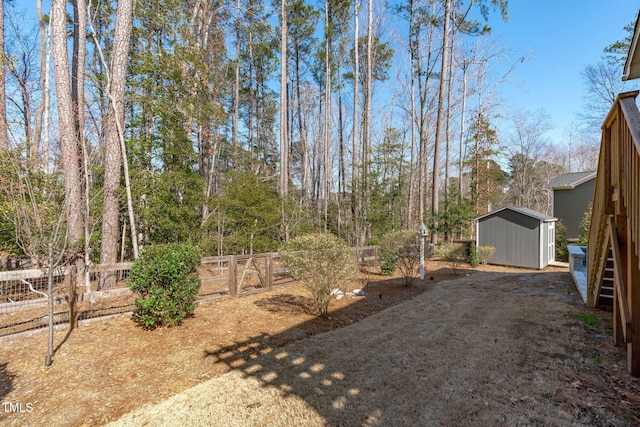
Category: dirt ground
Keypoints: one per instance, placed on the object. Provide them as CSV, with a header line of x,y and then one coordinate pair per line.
x,y
494,346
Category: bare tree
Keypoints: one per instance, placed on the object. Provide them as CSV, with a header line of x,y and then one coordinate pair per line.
x,y
41,131
355,211
284,109
327,115
34,201
366,140
23,95
4,135
528,146
602,83
440,120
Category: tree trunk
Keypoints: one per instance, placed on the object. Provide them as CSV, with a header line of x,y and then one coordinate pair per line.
x,y
42,118
68,137
78,70
355,212
327,117
440,125
465,66
284,110
366,143
4,135
236,83
113,143
302,131
447,134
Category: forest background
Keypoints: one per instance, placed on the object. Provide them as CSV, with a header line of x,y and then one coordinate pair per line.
x,y
220,124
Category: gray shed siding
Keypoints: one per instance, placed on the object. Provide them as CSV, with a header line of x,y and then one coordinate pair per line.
x,y
515,236
569,206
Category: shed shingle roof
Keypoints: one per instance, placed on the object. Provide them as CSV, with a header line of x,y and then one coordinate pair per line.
x,y
524,211
569,181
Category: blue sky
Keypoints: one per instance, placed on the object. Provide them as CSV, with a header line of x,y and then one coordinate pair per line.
x,y
558,37
561,38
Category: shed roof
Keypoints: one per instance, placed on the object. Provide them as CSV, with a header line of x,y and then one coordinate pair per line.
x,y
524,211
632,64
569,181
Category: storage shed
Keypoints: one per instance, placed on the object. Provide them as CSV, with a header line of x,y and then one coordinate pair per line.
x,y
572,193
522,237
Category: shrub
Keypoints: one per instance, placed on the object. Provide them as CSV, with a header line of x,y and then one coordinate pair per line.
x,y
166,278
403,247
585,224
474,256
485,253
321,263
387,264
562,252
453,253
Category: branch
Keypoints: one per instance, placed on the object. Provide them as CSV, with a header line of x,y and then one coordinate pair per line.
x,y
32,289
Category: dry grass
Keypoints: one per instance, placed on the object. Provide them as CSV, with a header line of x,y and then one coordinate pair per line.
x,y
497,347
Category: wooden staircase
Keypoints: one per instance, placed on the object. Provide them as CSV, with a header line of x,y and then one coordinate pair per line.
x,y
606,289
613,264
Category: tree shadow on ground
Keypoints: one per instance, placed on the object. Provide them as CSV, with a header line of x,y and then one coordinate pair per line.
x,y
6,380
287,303
492,348
326,381
383,371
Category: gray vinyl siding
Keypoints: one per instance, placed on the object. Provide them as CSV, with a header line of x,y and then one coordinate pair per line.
x,y
515,236
569,206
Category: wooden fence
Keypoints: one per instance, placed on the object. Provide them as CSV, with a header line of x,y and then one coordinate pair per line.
x,y
23,293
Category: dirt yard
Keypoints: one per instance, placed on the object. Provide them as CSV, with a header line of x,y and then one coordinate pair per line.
x,y
492,347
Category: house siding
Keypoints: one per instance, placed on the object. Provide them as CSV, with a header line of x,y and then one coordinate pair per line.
x,y
569,206
515,236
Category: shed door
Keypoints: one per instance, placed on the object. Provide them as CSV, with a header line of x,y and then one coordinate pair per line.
x,y
552,241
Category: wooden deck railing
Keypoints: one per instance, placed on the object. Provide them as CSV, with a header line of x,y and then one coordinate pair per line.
x,y
615,223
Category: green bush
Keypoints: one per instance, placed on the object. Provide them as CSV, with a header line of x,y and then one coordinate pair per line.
x,y
474,256
166,278
387,264
562,252
585,224
403,248
321,263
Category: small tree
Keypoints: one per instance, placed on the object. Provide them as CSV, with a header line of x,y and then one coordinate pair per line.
x,y
585,224
32,202
403,247
321,263
167,280
562,252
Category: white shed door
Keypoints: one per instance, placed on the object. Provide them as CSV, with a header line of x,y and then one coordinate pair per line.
x,y
552,241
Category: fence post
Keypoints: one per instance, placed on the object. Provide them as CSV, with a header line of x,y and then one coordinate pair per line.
x,y
375,257
233,286
269,272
